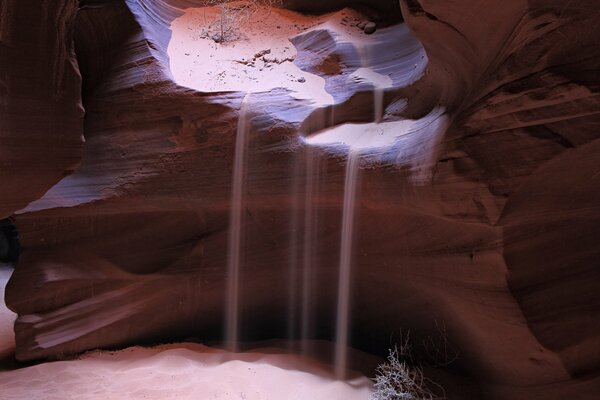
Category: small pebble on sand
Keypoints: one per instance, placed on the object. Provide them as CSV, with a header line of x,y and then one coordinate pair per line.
x,y
370,28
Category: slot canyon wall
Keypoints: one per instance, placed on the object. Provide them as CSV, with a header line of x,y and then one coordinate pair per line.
x,y
118,181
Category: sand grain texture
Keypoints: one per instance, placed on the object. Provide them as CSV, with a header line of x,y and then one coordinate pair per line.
x,y
182,371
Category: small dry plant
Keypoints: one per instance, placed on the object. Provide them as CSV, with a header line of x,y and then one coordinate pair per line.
x,y
231,16
400,378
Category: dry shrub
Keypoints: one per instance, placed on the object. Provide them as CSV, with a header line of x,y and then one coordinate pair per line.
x,y
232,14
400,379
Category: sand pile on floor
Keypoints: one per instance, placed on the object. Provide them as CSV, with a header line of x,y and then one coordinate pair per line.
x,y
177,371
182,371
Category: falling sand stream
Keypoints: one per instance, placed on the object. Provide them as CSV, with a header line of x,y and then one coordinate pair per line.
x,y
351,184
234,253
308,254
302,237
344,277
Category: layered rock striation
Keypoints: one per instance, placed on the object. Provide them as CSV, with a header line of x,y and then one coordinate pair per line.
x,y
41,114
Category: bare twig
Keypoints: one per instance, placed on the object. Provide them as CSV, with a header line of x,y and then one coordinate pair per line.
x,y
401,379
232,14
440,351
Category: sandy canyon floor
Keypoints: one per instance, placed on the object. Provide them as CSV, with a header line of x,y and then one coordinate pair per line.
x,y
174,371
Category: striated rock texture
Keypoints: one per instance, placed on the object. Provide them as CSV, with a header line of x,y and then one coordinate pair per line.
x,y
499,244
41,117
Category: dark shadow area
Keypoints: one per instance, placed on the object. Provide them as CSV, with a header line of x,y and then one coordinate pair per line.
x,y
10,247
381,11
101,30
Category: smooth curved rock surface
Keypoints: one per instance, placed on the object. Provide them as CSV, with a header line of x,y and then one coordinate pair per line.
x,y
41,116
498,244
551,228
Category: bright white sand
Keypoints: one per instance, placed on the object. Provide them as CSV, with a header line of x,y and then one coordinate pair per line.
x,y
7,319
182,371
377,136
178,371
262,58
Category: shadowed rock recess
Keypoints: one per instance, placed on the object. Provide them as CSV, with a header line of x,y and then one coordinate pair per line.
x,y
118,181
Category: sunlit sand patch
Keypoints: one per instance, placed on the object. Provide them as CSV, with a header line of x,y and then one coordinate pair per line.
x,y
410,142
258,58
376,136
367,75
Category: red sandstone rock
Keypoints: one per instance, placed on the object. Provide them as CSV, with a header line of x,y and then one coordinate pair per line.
x,y
41,117
500,245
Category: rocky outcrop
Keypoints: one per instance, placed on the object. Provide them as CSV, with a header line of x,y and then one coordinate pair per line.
x,y
532,97
497,244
